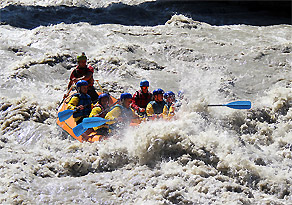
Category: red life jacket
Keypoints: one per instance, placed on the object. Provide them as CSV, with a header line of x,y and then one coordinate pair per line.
x,y
79,72
141,100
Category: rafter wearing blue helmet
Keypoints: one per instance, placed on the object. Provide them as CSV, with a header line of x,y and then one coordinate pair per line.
x,y
169,97
144,83
169,108
123,114
155,108
141,98
100,109
81,102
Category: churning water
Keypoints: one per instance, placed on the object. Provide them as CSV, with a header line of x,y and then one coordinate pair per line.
x,y
216,53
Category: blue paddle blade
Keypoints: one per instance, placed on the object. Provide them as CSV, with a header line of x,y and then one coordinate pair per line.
x,y
93,122
64,115
239,105
79,130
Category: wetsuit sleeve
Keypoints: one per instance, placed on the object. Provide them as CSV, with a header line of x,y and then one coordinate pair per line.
x,y
113,114
95,111
134,105
149,110
73,103
165,112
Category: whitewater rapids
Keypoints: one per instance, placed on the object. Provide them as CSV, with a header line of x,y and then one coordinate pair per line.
x,y
206,155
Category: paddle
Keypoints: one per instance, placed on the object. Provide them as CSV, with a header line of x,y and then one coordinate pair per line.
x,y
88,123
99,86
79,130
237,105
93,122
66,114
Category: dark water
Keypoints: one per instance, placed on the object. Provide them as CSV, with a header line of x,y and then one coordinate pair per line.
x,y
259,13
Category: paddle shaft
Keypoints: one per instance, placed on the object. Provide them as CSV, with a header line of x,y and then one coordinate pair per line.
x,y
66,95
237,105
99,85
66,114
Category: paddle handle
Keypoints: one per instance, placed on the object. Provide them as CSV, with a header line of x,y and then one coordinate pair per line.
x,y
215,105
99,85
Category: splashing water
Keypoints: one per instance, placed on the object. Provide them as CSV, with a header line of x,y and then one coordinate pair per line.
x,y
204,156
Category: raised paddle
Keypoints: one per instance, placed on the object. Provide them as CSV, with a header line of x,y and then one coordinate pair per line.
x,y
236,105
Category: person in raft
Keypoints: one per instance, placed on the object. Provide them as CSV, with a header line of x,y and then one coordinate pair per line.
x,y
122,114
141,98
155,108
84,72
81,102
100,109
169,108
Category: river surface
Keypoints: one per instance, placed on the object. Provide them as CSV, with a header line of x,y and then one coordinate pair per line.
x,y
215,52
